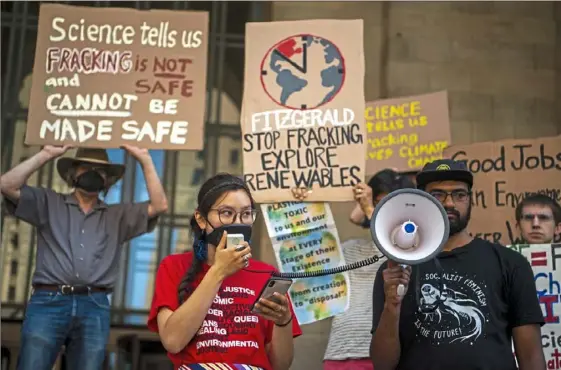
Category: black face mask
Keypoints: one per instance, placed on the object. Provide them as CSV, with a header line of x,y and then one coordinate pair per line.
x,y
90,181
215,235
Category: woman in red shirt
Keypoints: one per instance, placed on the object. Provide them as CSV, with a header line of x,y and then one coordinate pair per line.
x,y
202,299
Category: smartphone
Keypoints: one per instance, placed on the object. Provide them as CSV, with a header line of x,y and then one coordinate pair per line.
x,y
274,285
235,241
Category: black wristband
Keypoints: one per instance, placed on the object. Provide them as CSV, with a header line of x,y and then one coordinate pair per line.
x,y
283,325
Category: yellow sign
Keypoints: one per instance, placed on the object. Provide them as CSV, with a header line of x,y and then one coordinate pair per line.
x,y
406,133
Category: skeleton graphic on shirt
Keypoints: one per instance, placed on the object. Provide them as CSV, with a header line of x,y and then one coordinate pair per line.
x,y
461,309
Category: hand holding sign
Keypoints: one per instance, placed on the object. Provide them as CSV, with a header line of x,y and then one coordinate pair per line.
x,y
138,153
300,193
363,196
56,151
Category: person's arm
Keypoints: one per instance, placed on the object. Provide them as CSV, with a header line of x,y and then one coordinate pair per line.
x,y
158,200
385,347
357,216
528,347
177,328
525,315
29,203
364,207
280,336
178,324
135,219
281,348
13,180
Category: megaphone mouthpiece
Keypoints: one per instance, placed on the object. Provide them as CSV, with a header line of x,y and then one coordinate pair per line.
x,y
405,236
409,227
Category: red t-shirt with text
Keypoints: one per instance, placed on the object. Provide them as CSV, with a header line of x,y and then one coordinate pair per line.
x,y
230,333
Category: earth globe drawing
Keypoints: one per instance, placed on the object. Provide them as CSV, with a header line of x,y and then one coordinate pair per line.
x,y
303,72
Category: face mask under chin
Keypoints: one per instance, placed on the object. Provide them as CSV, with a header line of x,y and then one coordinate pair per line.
x,y
215,235
90,182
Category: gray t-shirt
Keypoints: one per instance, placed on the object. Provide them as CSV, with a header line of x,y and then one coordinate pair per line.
x,y
350,331
75,248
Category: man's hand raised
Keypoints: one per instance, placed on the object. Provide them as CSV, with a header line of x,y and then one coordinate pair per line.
x,y
56,151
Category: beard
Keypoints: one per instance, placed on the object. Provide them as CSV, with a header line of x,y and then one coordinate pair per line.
x,y
459,222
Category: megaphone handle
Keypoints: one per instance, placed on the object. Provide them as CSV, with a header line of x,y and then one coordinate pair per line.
x,y
401,287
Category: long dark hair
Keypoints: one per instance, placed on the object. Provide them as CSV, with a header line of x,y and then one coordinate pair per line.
x,y
211,191
386,181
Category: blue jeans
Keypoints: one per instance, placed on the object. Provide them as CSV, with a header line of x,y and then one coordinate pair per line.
x,y
52,319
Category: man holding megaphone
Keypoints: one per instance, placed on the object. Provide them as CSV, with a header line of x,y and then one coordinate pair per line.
x,y
463,300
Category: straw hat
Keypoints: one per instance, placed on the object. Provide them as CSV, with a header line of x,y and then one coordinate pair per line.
x,y
94,157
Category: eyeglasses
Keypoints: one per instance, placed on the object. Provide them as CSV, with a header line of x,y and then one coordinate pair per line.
x,y
529,217
228,216
458,196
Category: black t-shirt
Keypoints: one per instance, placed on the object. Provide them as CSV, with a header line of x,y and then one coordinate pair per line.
x,y
489,289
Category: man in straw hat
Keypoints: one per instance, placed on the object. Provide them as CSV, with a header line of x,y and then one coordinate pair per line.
x,y
78,249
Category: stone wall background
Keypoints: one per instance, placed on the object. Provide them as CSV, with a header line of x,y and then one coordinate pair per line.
x,y
499,61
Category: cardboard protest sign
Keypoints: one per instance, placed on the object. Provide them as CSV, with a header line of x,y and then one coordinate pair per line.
x,y
406,133
303,109
104,77
505,172
545,260
305,239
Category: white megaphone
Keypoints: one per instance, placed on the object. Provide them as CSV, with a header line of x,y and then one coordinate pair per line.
x,y
409,226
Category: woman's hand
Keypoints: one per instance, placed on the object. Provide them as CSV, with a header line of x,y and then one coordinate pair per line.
x,y
228,261
279,313
363,196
